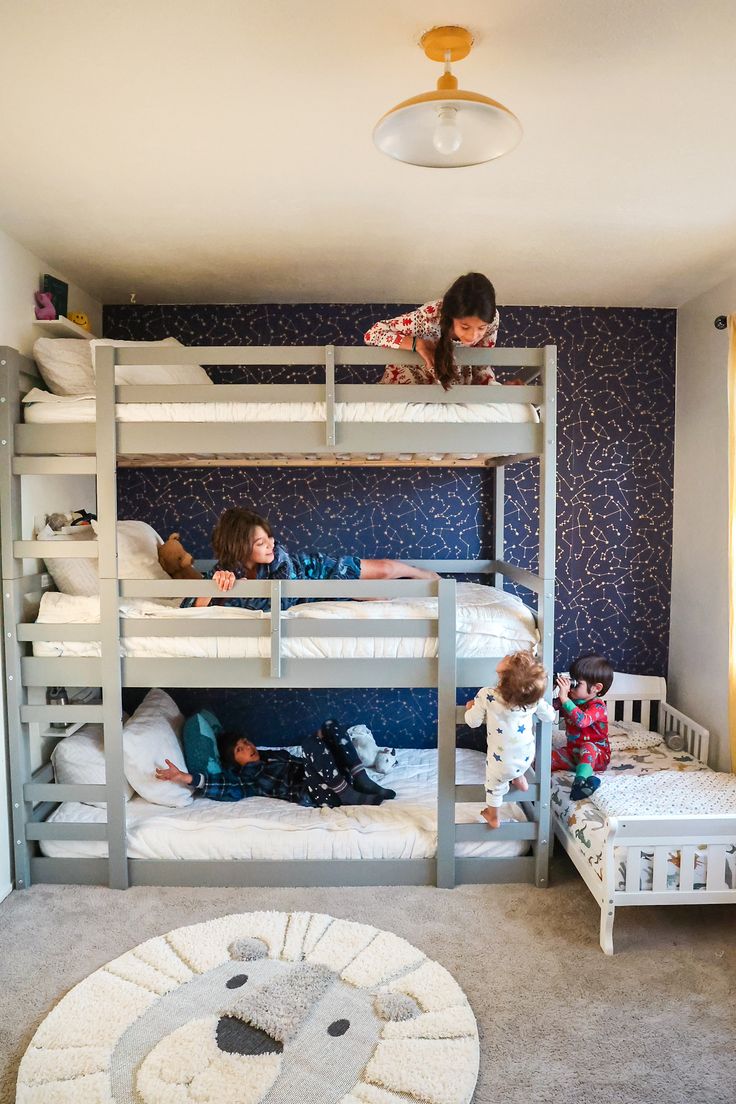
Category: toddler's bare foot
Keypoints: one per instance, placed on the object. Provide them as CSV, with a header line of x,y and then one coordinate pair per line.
x,y
491,817
520,783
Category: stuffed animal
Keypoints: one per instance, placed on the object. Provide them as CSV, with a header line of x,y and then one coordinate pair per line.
x,y
58,521
81,319
45,309
380,760
175,560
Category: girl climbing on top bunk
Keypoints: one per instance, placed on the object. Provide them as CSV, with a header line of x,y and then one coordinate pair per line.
x,y
245,548
465,315
508,709
331,772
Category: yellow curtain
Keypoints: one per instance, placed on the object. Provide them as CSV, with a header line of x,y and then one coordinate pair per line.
x,y
732,535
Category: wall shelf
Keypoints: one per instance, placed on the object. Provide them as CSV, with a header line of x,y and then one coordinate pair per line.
x,y
62,327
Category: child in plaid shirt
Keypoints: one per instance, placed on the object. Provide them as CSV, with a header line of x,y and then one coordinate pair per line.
x,y
586,722
331,772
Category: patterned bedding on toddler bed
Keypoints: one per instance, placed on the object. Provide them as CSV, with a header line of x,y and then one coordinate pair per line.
x,y
585,820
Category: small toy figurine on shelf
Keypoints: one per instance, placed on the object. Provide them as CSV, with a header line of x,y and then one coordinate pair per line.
x,y
45,310
80,319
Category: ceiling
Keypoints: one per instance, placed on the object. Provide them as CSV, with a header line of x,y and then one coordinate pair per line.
x,y
222,152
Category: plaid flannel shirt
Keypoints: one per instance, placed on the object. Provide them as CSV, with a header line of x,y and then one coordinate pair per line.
x,y
275,774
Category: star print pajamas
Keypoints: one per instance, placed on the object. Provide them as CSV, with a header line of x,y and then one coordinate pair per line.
x,y
511,738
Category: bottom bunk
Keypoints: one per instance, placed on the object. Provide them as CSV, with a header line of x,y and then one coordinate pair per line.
x,y
263,830
648,836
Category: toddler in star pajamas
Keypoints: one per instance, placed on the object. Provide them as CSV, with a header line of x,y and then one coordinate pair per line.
x,y
509,710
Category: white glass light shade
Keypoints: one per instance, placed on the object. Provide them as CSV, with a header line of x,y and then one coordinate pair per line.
x,y
409,132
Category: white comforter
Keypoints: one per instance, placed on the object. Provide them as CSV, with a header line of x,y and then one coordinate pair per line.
x,y
667,793
262,828
490,622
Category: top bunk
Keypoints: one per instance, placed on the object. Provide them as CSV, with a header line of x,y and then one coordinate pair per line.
x,y
154,404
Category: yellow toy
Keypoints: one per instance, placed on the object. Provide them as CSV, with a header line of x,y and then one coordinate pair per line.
x,y
80,319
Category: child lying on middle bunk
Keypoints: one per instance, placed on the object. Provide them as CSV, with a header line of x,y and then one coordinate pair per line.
x,y
245,548
331,772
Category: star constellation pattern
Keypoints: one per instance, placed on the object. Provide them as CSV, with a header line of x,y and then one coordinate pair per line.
x,y
615,458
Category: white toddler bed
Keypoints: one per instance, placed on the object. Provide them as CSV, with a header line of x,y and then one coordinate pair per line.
x,y
650,843
262,828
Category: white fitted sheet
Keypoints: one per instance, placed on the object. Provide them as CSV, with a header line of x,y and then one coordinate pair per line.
x,y
490,622
42,407
262,828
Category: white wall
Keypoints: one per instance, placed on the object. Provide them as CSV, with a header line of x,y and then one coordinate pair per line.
x,y
20,273
698,665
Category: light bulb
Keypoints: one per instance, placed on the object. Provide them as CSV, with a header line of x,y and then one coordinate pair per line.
x,y
447,136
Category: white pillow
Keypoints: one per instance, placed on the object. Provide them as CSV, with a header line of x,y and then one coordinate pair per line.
x,y
153,373
631,736
152,735
67,366
80,759
137,557
72,576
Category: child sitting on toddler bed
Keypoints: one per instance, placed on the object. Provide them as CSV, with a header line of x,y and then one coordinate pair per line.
x,y
586,723
245,548
509,708
331,772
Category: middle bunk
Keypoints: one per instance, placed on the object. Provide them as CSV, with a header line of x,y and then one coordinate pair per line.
x,y
301,424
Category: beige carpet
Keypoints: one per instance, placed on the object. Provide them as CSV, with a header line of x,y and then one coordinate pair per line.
x,y
559,1021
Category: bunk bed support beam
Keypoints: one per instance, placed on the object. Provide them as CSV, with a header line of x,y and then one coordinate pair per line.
x,y
446,731
109,635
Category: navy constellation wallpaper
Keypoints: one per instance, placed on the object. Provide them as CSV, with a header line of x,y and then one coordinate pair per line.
x,y
614,503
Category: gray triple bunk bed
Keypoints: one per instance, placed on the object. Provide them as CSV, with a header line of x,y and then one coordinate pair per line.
x,y
97,449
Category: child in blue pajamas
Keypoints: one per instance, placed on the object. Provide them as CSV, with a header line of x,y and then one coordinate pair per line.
x,y
246,549
330,773
509,709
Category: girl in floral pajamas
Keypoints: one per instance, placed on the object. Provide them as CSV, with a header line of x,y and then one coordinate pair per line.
x,y
465,315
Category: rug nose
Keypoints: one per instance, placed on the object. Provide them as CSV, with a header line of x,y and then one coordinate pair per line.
x,y
234,1036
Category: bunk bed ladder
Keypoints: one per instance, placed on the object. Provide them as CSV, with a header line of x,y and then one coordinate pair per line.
x,y
111,673
12,581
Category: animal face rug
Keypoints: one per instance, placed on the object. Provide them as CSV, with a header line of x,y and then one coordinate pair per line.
x,y
259,1008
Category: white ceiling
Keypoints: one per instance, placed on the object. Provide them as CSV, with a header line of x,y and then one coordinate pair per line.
x,y
222,152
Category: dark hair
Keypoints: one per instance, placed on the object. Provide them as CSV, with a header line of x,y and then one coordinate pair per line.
x,y
471,296
226,742
592,669
524,680
232,537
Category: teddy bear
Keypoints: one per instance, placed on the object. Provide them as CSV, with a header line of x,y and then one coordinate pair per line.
x,y
379,760
175,560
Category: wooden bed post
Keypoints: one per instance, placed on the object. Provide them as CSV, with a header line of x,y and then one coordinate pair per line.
x,y
546,600
107,551
19,762
446,731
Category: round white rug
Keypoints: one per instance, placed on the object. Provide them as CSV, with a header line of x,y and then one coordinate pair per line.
x,y
272,1007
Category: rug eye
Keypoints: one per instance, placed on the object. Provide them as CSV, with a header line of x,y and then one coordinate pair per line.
x,y
236,981
338,1027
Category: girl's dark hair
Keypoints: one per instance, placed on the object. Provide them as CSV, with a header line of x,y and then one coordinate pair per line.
x,y
232,537
471,296
226,742
592,669
524,680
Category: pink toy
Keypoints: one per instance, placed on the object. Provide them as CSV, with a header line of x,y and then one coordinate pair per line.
x,y
45,308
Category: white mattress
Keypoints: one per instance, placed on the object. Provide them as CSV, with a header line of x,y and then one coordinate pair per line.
x,y
490,622
262,828
43,407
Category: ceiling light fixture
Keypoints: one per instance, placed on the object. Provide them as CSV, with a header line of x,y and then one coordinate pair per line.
x,y
448,128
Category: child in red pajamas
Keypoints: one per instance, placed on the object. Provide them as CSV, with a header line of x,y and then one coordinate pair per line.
x,y
586,723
